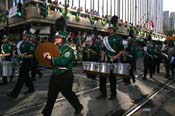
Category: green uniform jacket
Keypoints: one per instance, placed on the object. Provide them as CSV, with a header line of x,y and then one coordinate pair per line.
x,y
7,48
115,42
150,51
132,50
27,47
64,61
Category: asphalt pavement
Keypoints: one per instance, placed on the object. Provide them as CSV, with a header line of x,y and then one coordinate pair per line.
x,y
87,90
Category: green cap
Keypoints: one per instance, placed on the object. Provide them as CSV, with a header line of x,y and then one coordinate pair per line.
x,y
61,34
27,33
6,36
112,27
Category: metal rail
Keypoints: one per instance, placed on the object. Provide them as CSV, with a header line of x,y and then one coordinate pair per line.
x,y
135,108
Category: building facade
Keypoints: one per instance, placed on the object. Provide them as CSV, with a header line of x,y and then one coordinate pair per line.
x,y
138,12
172,20
166,19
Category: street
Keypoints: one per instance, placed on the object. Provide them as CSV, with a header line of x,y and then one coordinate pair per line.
x,y
128,96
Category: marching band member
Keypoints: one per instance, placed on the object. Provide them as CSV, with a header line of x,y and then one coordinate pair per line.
x,y
6,54
62,76
148,59
25,52
113,46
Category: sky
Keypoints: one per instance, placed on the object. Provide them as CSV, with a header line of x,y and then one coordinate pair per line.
x,y
169,5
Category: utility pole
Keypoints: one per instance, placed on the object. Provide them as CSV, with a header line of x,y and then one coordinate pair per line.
x,y
135,12
7,8
147,14
102,7
66,2
118,8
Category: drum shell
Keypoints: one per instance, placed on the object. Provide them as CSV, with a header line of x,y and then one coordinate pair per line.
x,y
98,67
123,69
114,68
105,69
91,68
6,68
85,65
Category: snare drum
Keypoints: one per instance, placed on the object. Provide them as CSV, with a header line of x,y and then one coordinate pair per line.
x,y
114,68
123,69
91,68
105,68
85,65
97,67
6,68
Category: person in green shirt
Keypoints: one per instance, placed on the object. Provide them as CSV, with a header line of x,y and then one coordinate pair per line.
x,y
25,52
6,55
62,76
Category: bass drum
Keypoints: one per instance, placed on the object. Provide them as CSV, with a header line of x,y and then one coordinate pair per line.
x,y
44,48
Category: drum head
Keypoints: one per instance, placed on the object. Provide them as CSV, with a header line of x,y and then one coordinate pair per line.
x,y
43,48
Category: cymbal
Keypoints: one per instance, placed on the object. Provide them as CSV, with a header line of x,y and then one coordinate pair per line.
x,y
44,48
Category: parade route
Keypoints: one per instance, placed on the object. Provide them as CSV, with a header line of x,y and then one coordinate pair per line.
x,y
87,90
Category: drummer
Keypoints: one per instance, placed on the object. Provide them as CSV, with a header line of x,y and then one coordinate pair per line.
x,y
25,52
90,54
113,46
6,55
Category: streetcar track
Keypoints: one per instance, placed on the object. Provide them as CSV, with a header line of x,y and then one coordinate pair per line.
x,y
135,107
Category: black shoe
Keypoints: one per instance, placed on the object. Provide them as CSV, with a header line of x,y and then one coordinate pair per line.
x,y
45,113
11,96
101,97
78,111
28,91
112,97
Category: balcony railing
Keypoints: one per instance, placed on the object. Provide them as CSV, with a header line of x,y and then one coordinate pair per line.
x,y
31,13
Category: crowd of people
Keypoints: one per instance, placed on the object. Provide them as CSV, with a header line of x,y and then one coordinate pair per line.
x,y
75,8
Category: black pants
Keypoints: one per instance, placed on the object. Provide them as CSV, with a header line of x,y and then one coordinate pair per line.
x,y
132,62
148,66
23,78
112,80
91,76
35,71
61,83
